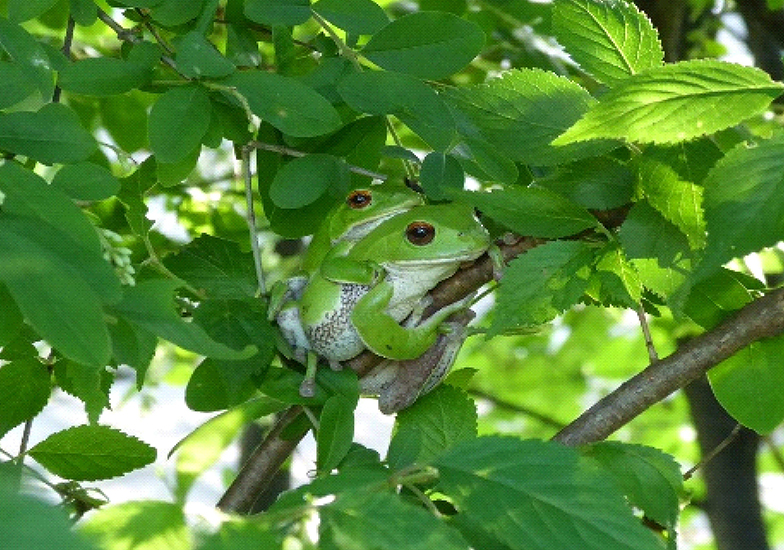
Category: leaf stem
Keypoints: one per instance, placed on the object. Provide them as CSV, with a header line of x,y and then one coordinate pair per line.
x,y
250,218
653,355
129,35
283,150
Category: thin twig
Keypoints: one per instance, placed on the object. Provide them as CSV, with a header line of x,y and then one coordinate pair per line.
x,y
66,49
283,150
128,35
251,218
707,458
653,356
536,415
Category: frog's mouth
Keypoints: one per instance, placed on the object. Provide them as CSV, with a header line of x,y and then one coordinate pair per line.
x,y
467,258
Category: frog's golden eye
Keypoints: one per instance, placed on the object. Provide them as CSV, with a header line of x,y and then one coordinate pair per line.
x,y
359,199
420,233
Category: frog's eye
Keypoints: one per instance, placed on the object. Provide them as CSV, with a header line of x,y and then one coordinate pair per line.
x,y
420,233
359,199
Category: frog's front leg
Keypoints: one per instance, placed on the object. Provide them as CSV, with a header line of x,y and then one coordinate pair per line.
x,y
384,336
399,384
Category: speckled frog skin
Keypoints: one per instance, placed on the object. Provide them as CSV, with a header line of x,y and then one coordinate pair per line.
x,y
357,300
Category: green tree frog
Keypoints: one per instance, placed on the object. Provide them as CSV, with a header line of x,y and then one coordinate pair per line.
x,y
358,297
350,220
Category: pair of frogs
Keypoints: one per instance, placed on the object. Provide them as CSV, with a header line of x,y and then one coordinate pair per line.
x,y
368,268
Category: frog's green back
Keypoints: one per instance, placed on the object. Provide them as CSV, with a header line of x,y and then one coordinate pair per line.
x,y
357,215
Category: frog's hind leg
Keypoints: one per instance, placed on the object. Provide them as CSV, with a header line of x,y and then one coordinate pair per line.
x,y
308,386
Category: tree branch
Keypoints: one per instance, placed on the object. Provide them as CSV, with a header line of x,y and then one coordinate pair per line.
x,y
760,319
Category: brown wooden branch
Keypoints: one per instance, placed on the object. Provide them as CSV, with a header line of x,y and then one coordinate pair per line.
x,y
760,319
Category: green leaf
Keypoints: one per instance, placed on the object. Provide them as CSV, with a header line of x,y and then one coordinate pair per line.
x,y
716,297
541,283
132,192
492,164
53,134
522,112
353,16
87,453
202,448
89,384
278,12
53,297
150,304
215,266
649,478
744,202
216,385
619,277
611,39
408,98
750,385
676,102
125,118
171,13
24,10
174,173
429,45
106,76
133,346
33,525
11,320
84,12
539,494
29,55
303,180
239,533
678,200
178,122
656,248
335,433
440,173
433,424
141,525
14,84
197,58
547,214
601,183
25,385
86,181
286,103
53,266
59,226
383,521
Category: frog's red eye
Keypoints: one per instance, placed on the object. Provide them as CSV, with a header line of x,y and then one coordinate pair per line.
x,y
420,233
359,199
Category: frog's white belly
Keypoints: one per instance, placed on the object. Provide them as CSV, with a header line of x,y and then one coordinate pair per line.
x,y
335,337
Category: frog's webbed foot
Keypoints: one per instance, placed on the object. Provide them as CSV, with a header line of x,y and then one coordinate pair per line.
x,y
335,365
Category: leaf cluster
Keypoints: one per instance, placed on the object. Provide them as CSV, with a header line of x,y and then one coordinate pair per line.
x,y
150,105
